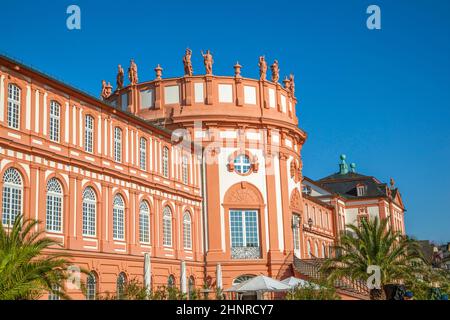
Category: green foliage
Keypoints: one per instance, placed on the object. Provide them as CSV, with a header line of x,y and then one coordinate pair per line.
x,y
26,271
373,243
310,291
425,280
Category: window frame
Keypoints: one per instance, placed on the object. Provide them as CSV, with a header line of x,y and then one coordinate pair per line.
x,y
86,218
89,134
165,162
243,228
241,167
14,106
15,191
118,138
167,217
187,231
143,153
54,126
54,196
141,214
118,217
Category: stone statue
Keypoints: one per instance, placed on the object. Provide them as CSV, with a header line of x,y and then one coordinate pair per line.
x,y
106,90
262,68
208,61
392,182
275,71
132,73
292,84
187,63
119,78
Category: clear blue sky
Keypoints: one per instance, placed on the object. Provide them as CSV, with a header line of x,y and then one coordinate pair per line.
x,y
382,97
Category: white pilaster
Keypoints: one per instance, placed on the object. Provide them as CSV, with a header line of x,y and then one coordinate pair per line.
x,y
28,108
2,97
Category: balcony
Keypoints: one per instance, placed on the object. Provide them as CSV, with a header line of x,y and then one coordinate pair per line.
x,y
245,253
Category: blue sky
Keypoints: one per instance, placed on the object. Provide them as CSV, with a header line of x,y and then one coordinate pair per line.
x,y
380,96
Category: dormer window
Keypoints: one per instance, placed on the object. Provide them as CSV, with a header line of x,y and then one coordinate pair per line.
x,y
361,190
306,189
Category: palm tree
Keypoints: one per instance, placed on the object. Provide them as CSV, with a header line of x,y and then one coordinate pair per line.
x,y
26,272
373,243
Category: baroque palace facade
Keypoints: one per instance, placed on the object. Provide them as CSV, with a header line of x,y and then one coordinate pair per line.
x,y
200,172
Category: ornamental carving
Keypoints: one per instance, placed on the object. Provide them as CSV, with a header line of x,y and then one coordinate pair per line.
x,y
243,193
296,170
243,196
296,201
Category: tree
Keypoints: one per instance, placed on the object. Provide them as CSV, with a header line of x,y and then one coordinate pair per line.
x,y
26,272
323,290
373,243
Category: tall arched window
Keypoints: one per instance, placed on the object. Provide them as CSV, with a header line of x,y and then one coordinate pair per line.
x,y
171,281
12,196
184,170
167,227
53,217
13,106
324,251
308,248
191,287
316,250
117,144
91,286
89,134
55,112
144,222
120,285
296,233
165,162
89,212
187,239
143,154
118,218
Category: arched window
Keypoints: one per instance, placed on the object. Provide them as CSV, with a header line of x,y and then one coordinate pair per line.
x,y
324,251
184,170
89,134
165,162
13,106
91,286
143,154
12,196
55,112
117,144
242,164
53,217
118,218
171,281
316,250
89,212
187,239
144,222
308,248
120,285
191,287
242,278
167,227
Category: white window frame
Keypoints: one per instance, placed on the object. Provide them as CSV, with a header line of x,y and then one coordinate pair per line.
x,y
187,231
89,133
91,292
167,227
117,144
54,199
165,162
244,227
144,222
296,234
14,97
118,218
55,121
89,212
143,153
185,169
12,192
241,166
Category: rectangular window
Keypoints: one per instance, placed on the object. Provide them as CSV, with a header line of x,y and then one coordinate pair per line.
x,y
143,154
117,144
185,174
13,106
55,111
165,162
244,228
89,134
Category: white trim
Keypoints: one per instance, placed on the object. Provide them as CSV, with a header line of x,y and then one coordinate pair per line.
x,y
2,97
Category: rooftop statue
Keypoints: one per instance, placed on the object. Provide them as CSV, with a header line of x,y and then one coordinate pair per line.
x,y
262,68
292,84
106,90
208,61
187,63
275,71
119,78
132,73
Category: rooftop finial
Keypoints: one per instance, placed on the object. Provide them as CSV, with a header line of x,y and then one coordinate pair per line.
x,y
343,167
353,167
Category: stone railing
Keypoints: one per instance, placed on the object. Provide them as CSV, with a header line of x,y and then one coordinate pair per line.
x,y
245,252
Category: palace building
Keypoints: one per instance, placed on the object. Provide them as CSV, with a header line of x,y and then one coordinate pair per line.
x,y
199,173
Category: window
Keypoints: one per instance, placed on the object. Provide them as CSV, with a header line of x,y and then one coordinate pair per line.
x,y
118,218
55,111
296,233
191,287
306,189
91,286
324,251
53,295
143,153
165,162
120,285
316,250
117,144
244,228
89,134
187,241
12,196
171,281
13,106
144,222
242,164
361,190
89,212
167,227
308,248
184,169
53,218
